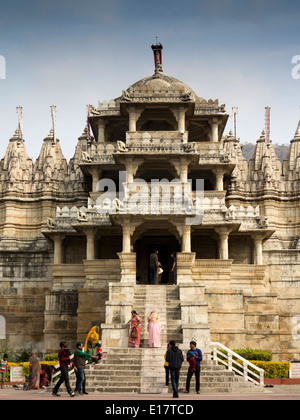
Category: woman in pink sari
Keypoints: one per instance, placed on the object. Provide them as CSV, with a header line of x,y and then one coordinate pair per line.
x,y
154,329
135,330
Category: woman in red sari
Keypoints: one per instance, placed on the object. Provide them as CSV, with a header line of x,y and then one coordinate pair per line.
x,y
135,330
35,371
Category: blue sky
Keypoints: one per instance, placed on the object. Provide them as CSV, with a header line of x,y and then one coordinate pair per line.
x,y
70,53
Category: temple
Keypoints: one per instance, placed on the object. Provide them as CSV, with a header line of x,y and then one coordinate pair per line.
x,y
158,170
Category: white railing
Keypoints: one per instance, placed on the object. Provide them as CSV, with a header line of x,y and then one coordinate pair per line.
x,y
55,375
237,364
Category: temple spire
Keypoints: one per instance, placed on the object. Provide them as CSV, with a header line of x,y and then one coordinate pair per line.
x,y
157,52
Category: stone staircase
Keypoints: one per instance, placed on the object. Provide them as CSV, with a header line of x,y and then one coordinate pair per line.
x,y
141,370
166,299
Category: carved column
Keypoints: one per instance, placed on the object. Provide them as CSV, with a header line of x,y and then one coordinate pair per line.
x,y
134,115
129,170
181,119
179,114
257,249
186,239
95,172
223,243
184,165
101,131
57,239
126,238
132,166
219,173
214,130
90,243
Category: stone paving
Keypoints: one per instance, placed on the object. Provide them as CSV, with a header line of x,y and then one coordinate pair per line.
x,y
278,392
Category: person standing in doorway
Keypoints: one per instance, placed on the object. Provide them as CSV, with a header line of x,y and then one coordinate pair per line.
x,y
174,267
175,358
197,355
153,266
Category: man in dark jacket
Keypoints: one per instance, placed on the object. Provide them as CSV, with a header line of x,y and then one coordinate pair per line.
x,y
175,358
64,362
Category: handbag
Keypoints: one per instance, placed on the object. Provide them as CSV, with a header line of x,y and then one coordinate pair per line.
x,y
134,332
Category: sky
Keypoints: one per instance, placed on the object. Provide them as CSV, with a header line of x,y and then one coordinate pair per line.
x,y
71,53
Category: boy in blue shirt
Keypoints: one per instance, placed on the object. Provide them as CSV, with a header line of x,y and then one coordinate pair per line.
x,y
197,355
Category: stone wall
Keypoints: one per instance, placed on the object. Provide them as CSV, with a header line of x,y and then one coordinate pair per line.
x,y
25,279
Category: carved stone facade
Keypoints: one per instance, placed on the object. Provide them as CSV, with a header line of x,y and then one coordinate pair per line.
x,y
72,252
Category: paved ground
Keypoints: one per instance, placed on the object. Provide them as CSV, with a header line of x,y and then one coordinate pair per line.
x,y
278,392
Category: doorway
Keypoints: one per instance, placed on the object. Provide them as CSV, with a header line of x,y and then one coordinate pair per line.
x,y
144,247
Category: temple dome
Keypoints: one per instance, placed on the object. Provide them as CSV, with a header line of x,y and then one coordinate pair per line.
x,y
158,82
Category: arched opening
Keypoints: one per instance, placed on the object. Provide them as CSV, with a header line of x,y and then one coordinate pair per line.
x,y
156,169
116,130
205,174
162,237
205,245
157,119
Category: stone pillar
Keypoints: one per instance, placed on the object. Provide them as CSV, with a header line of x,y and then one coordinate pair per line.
x,y
134,115
95,172
132,121
219,173
185,262
128,267
181,119
132,165
186,239
126,238
57,239
129,171
257,251
183,169
214,130
101,131
90,243
223,243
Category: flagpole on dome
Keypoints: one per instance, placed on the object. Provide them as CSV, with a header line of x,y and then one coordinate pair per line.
x,y
267,124
53,115
20,122
234,113
157,52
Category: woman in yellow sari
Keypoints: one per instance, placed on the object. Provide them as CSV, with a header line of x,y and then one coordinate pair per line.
x,y
91,340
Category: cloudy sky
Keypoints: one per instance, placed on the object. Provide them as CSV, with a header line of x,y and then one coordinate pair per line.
x,y
70,53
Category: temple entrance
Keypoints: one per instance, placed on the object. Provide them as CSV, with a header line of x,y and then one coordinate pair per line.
x,y
145,246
